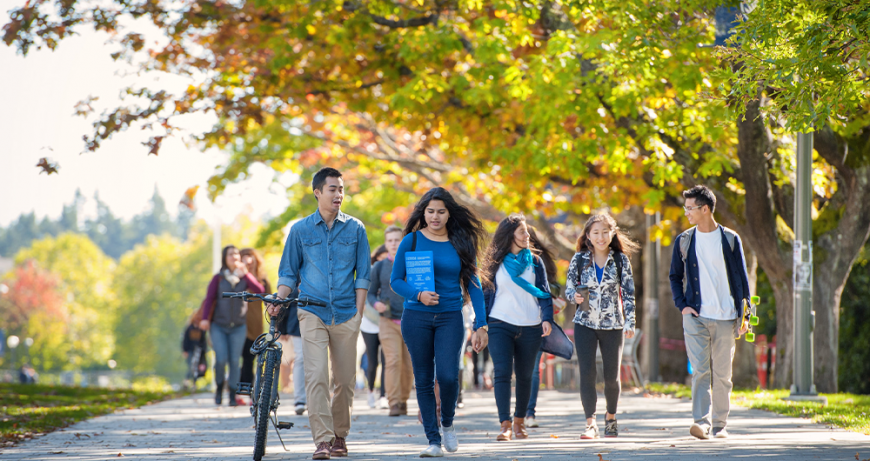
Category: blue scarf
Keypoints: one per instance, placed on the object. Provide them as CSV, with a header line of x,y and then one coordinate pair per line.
x,y
516,265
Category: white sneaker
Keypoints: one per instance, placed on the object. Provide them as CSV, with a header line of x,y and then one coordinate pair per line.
x,y
699,431
383,403
372,400
531,421
590,433
451,444
300,408
432,451
720,433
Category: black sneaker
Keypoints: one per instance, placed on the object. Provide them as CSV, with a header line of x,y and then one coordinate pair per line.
x,y
611,429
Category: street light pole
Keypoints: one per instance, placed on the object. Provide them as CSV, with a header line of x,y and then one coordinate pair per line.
x,y
651,300
803,387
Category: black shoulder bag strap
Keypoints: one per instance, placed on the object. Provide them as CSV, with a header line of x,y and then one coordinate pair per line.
x,y
414,241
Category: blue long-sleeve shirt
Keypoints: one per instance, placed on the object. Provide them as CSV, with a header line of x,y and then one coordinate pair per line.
x,y
447,281
328,265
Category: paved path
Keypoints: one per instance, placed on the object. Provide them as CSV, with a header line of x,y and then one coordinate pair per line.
x,y
651,429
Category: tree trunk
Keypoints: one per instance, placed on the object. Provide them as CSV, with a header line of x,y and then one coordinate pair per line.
x,y
745,368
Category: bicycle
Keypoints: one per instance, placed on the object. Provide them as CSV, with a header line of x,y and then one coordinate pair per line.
x,y
264,390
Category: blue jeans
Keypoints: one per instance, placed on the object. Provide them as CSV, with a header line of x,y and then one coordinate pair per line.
x,y
536,385
228,343
512,348
422,331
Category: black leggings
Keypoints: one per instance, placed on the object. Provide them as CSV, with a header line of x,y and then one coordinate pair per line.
x,y
373,343
587,342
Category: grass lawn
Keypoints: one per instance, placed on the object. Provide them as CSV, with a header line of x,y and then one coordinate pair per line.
x,y
849,411
27,410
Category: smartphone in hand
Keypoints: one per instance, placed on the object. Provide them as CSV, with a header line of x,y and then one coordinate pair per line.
x,y
583,290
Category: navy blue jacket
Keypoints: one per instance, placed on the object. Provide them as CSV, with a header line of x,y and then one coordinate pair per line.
x,y
691,297
540,282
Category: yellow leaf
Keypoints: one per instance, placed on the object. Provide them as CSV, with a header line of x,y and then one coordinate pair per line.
x,y
311,30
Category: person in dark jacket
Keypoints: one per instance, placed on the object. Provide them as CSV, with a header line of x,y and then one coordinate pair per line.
x,y
229,322
519,311
710,288
398,372
194,347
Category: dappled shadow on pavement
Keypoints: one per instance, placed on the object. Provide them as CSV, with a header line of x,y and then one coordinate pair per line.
x,y
650,428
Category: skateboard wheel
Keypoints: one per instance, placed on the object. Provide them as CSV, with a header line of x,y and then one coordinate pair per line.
x,y
755,299
750,337
753,320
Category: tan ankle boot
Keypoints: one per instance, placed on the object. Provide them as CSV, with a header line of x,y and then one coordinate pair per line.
x,y
520,431
505,434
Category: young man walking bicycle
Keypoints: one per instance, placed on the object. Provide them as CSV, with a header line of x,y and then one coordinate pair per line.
x,y
710,287
327,254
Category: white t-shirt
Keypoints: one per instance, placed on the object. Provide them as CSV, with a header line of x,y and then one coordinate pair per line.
x,y
716,300
512,303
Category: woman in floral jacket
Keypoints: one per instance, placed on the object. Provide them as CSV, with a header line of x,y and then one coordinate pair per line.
x,y
601,283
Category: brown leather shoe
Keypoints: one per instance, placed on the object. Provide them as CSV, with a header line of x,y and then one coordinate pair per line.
x,y
403,407
396,410
505,434
322,451
520,431
339,448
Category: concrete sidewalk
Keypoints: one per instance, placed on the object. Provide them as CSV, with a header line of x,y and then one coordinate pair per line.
x,y
650,428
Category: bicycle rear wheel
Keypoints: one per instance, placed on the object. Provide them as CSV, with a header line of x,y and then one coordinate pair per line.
x,y
264,403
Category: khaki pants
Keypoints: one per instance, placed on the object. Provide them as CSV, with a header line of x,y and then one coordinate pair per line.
x,y
710,345
321,344
399,374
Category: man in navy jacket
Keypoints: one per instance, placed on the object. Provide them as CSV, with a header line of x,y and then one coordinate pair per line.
x,y
710,288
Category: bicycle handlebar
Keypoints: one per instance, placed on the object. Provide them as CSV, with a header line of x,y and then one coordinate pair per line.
x,y
272,299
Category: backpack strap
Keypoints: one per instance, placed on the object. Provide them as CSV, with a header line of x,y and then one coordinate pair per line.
x,y
414,241
729,237
685,241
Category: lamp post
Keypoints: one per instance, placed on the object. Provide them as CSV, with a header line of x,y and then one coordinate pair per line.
x,y
803,387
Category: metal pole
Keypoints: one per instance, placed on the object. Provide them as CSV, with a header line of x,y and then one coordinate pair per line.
x,y
651,301
804,317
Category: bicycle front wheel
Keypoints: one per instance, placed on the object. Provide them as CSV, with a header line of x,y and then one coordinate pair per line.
x,y
264,402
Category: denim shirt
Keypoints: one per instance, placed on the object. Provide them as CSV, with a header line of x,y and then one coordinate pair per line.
x,y
329,265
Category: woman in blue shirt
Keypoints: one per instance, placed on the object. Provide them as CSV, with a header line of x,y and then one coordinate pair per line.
x,y
453,234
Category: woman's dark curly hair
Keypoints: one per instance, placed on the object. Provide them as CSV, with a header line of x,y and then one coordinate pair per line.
x,y
464,230
500,245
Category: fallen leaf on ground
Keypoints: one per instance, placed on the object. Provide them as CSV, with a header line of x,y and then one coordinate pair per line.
x,y
554,436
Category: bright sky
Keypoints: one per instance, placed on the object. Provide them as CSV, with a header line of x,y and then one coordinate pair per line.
x,y
37,96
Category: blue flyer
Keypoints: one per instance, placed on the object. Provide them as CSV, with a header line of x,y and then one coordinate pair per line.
x,y
420,270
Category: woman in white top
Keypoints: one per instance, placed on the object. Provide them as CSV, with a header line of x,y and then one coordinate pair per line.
x,y
519,312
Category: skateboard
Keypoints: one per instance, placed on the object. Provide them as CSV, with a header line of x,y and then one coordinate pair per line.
x,y
750,317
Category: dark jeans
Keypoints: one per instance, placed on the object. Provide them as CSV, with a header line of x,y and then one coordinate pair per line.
x,y
536,385
373,344
247,363
587,341
513,347
434,341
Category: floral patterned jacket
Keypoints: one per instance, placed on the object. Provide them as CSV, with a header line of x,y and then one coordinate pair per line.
x,y
604,298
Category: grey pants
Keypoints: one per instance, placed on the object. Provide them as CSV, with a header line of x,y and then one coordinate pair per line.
x,y
710,345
